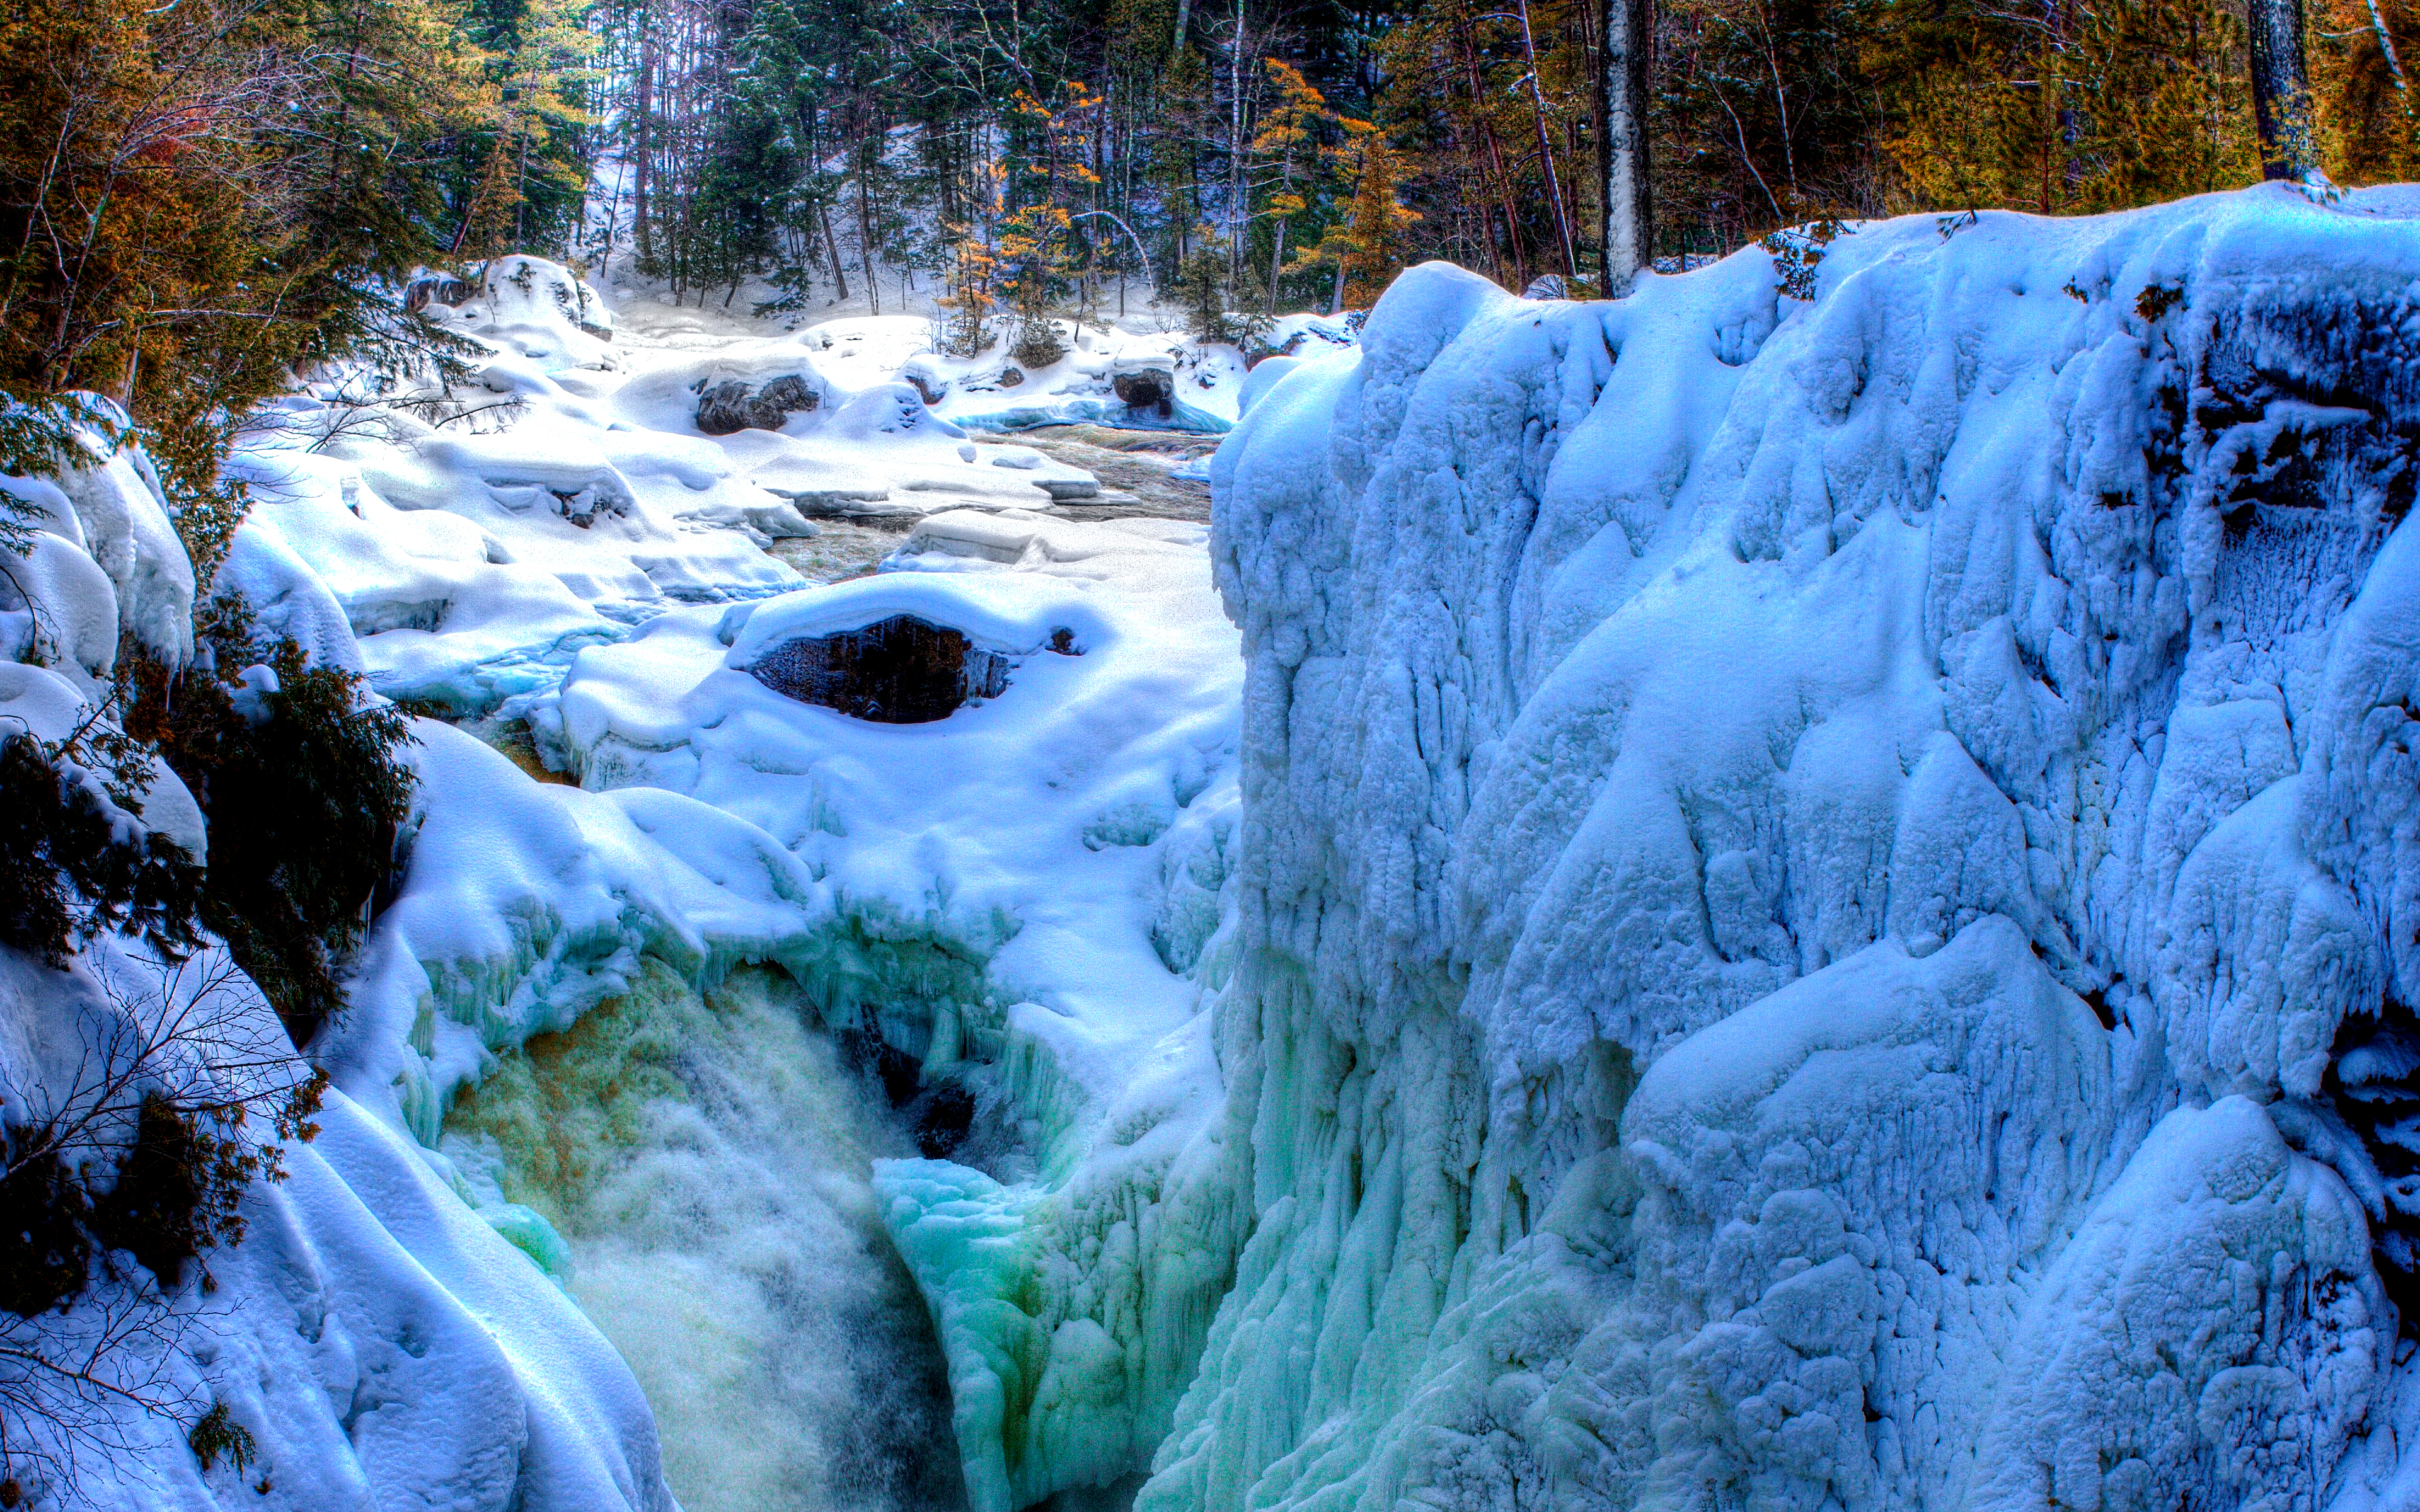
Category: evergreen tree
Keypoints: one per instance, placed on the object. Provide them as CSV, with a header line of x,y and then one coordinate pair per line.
x,y
1375,242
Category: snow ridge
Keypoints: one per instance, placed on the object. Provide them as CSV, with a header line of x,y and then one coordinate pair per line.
x,y
1805,868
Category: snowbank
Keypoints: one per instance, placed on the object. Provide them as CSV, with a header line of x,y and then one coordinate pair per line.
x,y
381,1345
1109,376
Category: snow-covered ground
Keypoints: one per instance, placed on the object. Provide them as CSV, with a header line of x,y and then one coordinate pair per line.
x,y
1713,901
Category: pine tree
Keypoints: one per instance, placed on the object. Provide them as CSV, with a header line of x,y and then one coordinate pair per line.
x,y
1288,140
1374,243
488,229
161,243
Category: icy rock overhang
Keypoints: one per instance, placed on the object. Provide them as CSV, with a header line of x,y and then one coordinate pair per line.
x,y
1146,387
904,670
902,648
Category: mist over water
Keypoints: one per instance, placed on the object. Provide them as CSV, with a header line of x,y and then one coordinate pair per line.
x,y
701,1166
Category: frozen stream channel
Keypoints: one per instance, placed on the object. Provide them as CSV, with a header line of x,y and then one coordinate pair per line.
x,y
1807,904
704,996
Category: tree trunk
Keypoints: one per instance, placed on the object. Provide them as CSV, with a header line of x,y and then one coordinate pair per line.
x,y
1629,236
2386,48
832,245
865,237
1236,146
823,203
1276,258
521,193
643,106
1547,147
2281,91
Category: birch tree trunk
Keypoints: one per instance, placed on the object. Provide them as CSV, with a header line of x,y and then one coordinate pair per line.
x,y
1629,233
2281,91
1236,147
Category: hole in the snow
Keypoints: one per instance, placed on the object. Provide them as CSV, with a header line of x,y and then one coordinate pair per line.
x,y
900,671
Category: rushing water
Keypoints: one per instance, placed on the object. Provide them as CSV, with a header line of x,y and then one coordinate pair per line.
x,y
701,1164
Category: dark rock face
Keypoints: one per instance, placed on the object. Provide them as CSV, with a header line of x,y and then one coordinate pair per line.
x,y
2374,1084
439,290
729,407
1148,390
899,670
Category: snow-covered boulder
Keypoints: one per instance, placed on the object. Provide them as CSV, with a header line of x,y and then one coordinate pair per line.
x,y
524,307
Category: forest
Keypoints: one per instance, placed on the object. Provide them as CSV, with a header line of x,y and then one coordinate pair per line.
x,y
199,198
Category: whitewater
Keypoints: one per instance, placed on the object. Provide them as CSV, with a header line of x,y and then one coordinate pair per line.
x,y
1716,900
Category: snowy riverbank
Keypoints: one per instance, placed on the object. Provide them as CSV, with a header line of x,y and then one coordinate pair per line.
x,y
1719,900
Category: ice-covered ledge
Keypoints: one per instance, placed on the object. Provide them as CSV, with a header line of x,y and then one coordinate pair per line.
x,y
1814,874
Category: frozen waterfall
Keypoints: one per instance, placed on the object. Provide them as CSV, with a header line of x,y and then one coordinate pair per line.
x,y
1722,900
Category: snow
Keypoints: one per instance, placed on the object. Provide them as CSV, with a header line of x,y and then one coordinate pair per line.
x,y
1207,380
954,814
1707,900
382,1344
1714,764
474,542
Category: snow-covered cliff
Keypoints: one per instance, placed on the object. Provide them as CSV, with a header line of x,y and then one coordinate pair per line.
x,y
1817,905
1831,889
374,1339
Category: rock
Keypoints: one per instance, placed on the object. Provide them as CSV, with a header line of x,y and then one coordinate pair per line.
x,y
426,291
1011,376
904,670
582,505
1147,387
930,386
728,408
842,498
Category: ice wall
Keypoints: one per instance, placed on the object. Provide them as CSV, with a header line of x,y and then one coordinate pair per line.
x,y
1813,877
